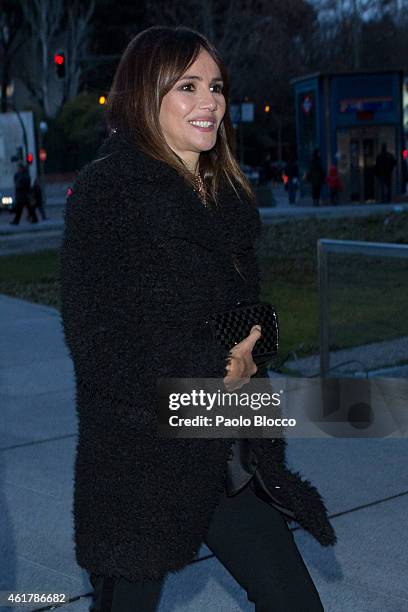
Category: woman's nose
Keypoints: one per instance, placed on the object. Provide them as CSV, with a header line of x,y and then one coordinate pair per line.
x,y
207,101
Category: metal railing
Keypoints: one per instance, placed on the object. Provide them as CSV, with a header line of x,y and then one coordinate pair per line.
x,y
344,247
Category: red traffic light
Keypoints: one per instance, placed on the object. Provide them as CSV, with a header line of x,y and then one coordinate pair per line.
x,y
59,59
29,158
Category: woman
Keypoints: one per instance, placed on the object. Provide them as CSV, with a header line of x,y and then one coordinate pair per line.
x,y
156,238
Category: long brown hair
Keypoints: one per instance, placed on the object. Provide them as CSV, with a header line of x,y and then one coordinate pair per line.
x,y
153,62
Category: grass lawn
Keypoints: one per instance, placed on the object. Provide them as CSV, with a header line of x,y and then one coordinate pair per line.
x,y
363,308
33,277
367,299
296,302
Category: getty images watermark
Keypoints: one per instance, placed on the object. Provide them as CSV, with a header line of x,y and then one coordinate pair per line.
x,y
273,407
225,404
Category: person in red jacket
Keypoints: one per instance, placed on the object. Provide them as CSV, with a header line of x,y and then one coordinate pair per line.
x,y
334,184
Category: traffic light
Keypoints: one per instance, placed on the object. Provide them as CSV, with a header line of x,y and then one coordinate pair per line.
x,y
267,108
102,100
59,61
29,158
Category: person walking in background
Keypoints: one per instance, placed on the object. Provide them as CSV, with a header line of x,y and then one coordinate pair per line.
x,y
384,166
38,201
316,176
292,173
22,185
334,184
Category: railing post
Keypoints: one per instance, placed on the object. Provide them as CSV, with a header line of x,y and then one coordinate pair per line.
x,y
323,307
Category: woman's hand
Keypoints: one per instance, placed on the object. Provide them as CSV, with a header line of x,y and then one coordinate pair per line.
x,y
240,365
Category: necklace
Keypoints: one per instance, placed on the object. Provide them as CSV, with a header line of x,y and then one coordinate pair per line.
x,y
199,188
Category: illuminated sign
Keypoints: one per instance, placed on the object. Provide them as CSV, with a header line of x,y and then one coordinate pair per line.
x,y
366,105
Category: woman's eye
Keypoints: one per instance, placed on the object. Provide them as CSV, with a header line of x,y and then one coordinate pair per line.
x,y
186,85
218,87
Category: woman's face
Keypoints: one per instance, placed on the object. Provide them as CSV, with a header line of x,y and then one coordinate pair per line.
x,y
197,96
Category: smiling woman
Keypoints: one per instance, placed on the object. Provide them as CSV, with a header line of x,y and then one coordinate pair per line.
x,y
143,264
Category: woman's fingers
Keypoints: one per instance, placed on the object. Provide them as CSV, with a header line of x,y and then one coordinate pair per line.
x,y
228,364
240,365
233,384
254,335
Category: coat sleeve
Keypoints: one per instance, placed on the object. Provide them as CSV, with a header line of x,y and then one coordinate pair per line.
x,y
120,338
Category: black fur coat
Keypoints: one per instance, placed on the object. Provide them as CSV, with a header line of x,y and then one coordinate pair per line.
x,y
142,263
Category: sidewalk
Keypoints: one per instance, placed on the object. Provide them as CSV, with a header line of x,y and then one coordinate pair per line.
x,y
304,208
375,359
363,481
54,214
31,237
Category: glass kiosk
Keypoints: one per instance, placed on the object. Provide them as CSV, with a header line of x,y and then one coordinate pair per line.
x,y
349,117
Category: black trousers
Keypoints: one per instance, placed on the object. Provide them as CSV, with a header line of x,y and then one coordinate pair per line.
x,y
20,204
316,190
253,541
385,189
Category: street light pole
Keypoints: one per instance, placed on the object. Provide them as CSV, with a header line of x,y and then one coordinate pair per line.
x,y
43,129
23,128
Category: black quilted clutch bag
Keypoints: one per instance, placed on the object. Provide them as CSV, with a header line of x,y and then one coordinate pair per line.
x,y
231,326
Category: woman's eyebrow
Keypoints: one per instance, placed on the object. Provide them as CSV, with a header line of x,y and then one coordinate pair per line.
x,y
191,76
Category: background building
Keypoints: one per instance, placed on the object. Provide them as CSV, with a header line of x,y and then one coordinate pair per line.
x,y
348,117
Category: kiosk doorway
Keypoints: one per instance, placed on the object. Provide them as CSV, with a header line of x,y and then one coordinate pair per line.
x,y
358,148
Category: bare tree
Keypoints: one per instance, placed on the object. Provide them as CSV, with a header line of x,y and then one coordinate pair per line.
x,y
44,18
360,35
53,25
76,41
11,21
259,40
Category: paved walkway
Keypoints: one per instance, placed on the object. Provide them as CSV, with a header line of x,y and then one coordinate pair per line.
x,y
364,483
304,208
30,237
375,357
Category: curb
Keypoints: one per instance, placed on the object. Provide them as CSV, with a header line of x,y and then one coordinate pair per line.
x,y
40,227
